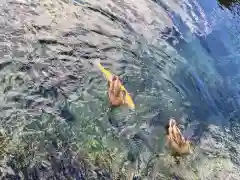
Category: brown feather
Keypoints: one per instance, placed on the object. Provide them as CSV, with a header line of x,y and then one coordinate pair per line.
x,y
175,140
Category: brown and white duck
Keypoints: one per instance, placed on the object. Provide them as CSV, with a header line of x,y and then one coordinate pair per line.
x,y
175,141
116,96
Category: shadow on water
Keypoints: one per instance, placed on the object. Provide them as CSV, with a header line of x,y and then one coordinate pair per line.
x,y
55,118
227,3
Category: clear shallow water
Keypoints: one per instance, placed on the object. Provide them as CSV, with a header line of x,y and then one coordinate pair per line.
x,y
176,59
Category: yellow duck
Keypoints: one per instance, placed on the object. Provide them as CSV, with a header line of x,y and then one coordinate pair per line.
x,y
117,93
175,141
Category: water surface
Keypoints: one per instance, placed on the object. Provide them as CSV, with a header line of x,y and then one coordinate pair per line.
x,y
177,59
